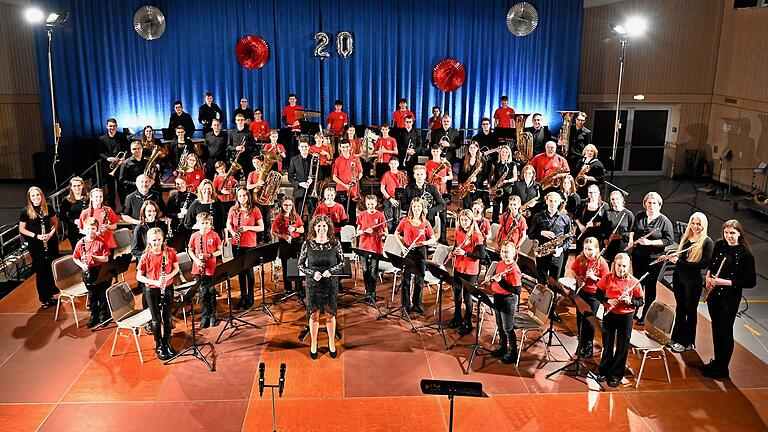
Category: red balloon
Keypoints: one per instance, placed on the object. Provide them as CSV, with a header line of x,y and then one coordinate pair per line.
x,y
252,52
449,75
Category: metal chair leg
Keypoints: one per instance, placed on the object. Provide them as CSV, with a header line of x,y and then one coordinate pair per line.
x,y
114,342
138,347
642,366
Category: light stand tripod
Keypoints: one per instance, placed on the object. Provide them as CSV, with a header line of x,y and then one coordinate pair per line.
x,y
261,255
224,273
194,349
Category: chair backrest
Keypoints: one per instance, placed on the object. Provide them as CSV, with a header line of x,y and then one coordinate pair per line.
x,y
391,246
122,237
494,232
540,303
659,322
66,273
120,300
441,252
185,267
348,233
680,228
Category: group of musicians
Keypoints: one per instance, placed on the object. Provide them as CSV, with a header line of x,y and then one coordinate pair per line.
x,y
536,187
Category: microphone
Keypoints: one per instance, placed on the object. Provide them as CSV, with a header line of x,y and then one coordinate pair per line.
x,y
261,379
281,382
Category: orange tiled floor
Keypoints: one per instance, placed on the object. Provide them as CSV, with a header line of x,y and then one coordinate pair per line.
x,y
57,377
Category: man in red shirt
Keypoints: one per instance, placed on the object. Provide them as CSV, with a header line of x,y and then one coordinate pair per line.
x,y
549,162
504,116
337,120
204,246
386,148
398,118
347,172
290,117
259,127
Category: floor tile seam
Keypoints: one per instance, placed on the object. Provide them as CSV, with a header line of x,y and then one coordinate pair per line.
x,y
432,376
147,401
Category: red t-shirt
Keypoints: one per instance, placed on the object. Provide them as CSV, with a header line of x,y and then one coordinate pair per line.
x,y
150,264
545,165
218,184
507,233
335,212
280,150
355,147
289,112
465,264
337,120
251,218
505,116
260,130
193,179
614,287
485,227
282,222
371,242
105,216
92,248
387,143
210,243
435,122
580,266
316,149
411,232
514,277
398,118
389,180
342,168
432,166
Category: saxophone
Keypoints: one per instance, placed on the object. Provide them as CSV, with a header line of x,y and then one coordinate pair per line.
x,y
524,140
468,187
436,179
581,177
549,247
525,209
233,168
494,190
552,181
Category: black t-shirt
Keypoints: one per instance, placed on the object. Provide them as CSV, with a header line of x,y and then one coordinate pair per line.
x,y
34,223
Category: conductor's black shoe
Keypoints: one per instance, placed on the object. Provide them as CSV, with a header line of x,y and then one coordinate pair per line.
x,y
717,374
614,381
500,351
586,351
418,309
312,355
161,354
641,322
706,367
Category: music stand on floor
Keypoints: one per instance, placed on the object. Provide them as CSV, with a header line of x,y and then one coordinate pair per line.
x,y
224,273
576,366
109,271
194,349
367,299
444,277
551,333
407,266
260,256
481,297
452,389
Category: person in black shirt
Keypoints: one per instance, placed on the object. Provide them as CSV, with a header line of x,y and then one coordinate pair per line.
x,y
179,201
245,111
37,227
181,118
409,146
136,199
207,112
651,233
448,138
595,174
216,144
734,265
421,189
474,161
485,138
130,170
71,208
541,134
580,136
240,138
302,179
527,188
110,144
206,202
149,218
616,224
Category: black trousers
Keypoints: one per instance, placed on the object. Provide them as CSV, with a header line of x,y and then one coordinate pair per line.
x,y
500,205
161,313
97,293
461,295
617,329
285,252
245,278
640,266
506,307
723,306
41,264
207,296
392,214
419,256
370,273
687,293
549,266
585,328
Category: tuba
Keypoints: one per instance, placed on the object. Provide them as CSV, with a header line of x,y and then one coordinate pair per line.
x,y
157,153
269,180
524,140
581,177
565,131
552,180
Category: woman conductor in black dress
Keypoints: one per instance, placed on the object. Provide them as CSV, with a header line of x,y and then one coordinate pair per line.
x,y
320,259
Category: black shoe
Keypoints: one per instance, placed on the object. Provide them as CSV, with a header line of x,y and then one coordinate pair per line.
x,y
212,321
161,354
93,322
333,354
418,309
717,374
169,351
500,351
641,322
614,381
465,329
204,323
509,357
455,322
148,329
600,378
312,355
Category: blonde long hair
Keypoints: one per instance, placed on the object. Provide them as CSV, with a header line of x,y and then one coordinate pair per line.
x,y
423,216
43,203
472,227
694,255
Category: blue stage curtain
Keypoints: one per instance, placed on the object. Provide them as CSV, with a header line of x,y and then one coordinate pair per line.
x,y
102,68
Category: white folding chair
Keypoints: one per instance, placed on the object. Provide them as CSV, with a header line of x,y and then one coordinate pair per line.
x,y
124,244
348,236
391,247
68,278
438,258
652,341
494,232
122,306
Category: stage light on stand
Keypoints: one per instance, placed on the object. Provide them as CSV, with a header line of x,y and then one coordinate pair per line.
x,y
34,15
56,18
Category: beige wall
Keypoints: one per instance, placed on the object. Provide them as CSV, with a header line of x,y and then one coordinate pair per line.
x,y
20,123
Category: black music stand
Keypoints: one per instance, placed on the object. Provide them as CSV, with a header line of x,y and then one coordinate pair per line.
x,y
224,273
444,277
576,367
555,286
260,256
109,271
452,389
194,349
367,299
409,266
481,297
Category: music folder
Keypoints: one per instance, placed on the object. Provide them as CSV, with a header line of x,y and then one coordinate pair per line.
x,y
452,388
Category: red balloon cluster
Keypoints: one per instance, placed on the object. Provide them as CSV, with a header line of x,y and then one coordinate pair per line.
x,y
449,75
252,52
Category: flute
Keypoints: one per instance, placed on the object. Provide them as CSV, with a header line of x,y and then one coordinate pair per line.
x,y
408,250
592,267
359,233
708,290
501,275
625,293
641,238
673,254
597,212
608,241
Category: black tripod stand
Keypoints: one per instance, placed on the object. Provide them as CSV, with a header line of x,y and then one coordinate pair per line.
x,y
452,389
194,349
409,266
576,367
369,299
261,255
224,273
482,298
444,277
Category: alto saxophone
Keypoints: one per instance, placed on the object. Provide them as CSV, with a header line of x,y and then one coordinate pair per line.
x,y
549,247
552,180
468,187
581,177
525,209
436,179
494,190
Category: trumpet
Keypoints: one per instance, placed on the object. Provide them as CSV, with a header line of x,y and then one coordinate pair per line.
x,y
407,157
114,165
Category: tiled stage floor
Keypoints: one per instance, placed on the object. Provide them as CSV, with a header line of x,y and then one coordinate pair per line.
x,y
55,377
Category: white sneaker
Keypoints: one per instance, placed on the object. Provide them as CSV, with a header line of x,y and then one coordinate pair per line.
x,y
676,347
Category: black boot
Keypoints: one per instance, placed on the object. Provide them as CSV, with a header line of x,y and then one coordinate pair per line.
x,y
466,328
168,349
455,322
93,321
502,349
159,348
510,356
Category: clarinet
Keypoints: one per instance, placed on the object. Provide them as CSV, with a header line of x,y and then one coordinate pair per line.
x,y
202,253
87,271
43,232
238,229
